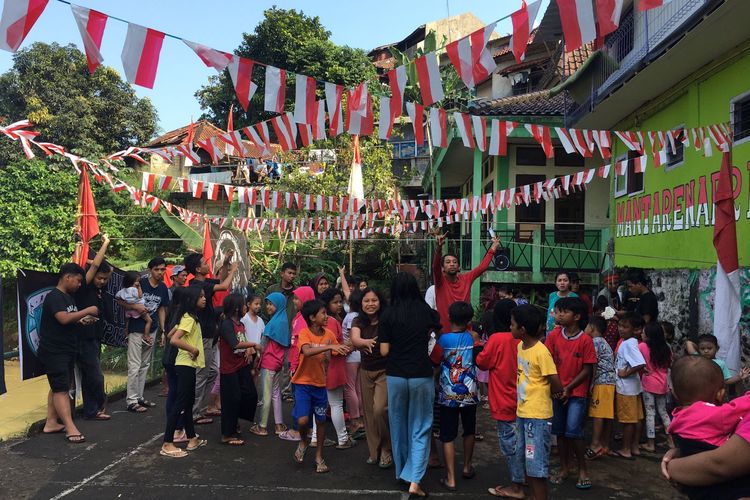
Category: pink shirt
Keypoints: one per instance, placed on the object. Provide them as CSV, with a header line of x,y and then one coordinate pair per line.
x,y
298,324
712,424
653,378
273,356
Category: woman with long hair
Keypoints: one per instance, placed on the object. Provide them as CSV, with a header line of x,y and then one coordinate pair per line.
x,y
658,356
562,283
372,378
404,336
168,359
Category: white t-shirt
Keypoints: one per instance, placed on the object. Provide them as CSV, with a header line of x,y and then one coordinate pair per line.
x,y
253,330
346,328
628,356
429,297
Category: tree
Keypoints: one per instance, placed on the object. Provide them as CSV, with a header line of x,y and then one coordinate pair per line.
x,y
291,40
90,114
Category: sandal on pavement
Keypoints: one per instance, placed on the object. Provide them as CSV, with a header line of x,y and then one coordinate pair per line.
x,y
100,415
502,491
584,483
299,453
233,442
181,439
58,431
213,413
75,438
444,484
203,421
558,478
289,435
136,408
617,454
284,428
258,430
470,474
173,454
201,442
321,467
385,462
346,445
371,461
146,403
593,455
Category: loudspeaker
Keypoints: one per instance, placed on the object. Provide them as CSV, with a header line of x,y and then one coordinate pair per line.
x,y
502,259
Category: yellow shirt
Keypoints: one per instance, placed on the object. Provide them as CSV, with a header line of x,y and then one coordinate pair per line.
x,y
192,336
535,364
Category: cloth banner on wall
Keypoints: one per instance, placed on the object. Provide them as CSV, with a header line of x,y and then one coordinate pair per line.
x,y
32,288
224,239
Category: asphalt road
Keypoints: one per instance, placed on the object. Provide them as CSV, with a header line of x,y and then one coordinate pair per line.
x,y
120,459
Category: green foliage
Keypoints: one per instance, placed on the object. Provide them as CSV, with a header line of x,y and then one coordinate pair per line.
x,y
291,40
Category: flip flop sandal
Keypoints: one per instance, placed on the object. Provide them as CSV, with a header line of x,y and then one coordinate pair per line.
x,y
321,467
146,403
284,428
593,455
58,431
182,439
558,479
136,408
201,442
289,435
617,454
348,444
385,464
100,416
203,421
258,430
173,454
299,453
233,442
444,484
359,434
478,437
75,438
470,474
371,461
498,491
584,484
213,413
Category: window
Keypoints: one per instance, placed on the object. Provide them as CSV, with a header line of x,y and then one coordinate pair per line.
x,y
570,217
529,218
530,156
632,181
563,159
486,167
677,158
740,116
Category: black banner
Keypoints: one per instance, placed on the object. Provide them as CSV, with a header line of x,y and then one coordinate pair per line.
x,y
32,288
225,239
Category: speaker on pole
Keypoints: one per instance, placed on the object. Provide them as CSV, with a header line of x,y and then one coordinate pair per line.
x,y
501,260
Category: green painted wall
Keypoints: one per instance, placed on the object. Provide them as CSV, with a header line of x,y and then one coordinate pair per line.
x,y
658,228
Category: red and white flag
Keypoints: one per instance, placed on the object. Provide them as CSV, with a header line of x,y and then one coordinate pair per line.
x,y
260,137
523,22
356,190
275,91
18,18
439,127
91,25
385,126
428,74
304,99
196,187
140,55
727,306
233,140
397,81
578,24
333,102
212,58
241,71
187,151
286,131
357,123
630,139
209,145
644,5
469,55
541,134
416,115
565,140
357,99
499,137
463,124
639,164
319,123
608,14
212,191
480,131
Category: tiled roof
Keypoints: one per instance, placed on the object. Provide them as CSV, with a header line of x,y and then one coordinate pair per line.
x,y
532,104
571,61
524,65
507,49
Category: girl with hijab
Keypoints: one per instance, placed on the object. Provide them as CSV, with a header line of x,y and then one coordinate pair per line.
x,y
301,295
275,341
319,284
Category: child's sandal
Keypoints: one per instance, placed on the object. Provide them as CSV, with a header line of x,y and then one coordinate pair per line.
x,y
299,453
321,467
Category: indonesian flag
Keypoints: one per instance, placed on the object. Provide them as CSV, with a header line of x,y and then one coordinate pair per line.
x,y
163,182
541,134
208,251
439,127
319,124
241,71
644,5
18,18
213,191
140,55
187,151
148,182
197,188
639,164
91,26
212,149
260,137
416,115
727,308
397,81
577,18
356,188
87,222
428,74
357,123
523,22
385,126
286,131
608,15
333,102
470,57
304,99
212,58
275,92
463,123
233,141
499,137
357,99
480,131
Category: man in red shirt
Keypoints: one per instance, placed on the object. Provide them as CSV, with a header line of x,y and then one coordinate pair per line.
x,y
452,286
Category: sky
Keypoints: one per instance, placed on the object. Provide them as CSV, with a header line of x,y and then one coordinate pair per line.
x,y
221,23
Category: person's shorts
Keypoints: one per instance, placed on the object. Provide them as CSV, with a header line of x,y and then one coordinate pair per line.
x,y
629,409
568,417
310,401
59,369
534,438
449,421
507,434
602,404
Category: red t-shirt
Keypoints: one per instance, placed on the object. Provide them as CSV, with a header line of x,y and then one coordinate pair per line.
x,y
336,375
570,354
447,292
499,358
231,334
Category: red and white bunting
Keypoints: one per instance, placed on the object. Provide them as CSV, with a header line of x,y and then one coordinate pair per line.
x,y
333,102
480,131
639,164
233,139
213,191
209,145
621,167
541,134
196,187
397,78
17,20
470,57
212,58
275,91
259,136
630,139
428,74
603,141
305,134
499,137
91,25
644,5
523,22
416,115
719,138
463,124
565,140
241,72
385,126
286,131
140,54
304,99
357,99
603,171
608,14
358,124
439,127
580,141
578,24
147,184
319,123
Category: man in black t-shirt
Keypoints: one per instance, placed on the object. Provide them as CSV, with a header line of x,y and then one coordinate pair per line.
x,y
645,303
57,347
205,377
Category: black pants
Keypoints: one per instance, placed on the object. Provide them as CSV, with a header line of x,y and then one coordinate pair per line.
x,y
184,403
92,379
238,399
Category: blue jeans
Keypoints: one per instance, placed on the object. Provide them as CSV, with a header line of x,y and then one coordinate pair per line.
x,y
410,417
172,394
507,433
568,417
534,440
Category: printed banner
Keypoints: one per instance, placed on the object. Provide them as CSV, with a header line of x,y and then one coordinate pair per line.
x,y
224,239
